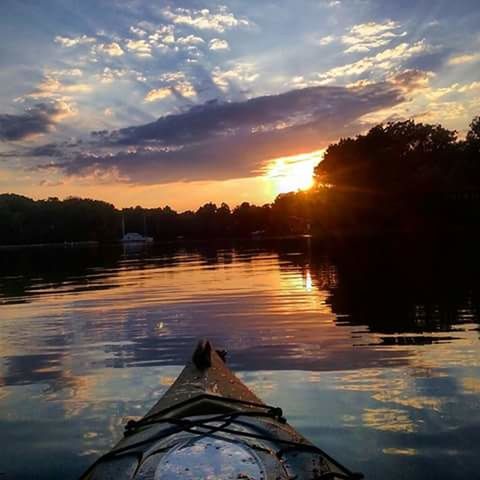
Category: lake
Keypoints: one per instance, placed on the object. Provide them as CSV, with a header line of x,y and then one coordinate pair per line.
x,y
371,349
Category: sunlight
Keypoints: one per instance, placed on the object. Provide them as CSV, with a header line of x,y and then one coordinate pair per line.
x,y
289,174
308,281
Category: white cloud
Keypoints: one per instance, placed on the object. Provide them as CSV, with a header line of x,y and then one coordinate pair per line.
x,y
163,39
172,77
174,83
110,74
67,72
185,89
190,40
178,83
140,32
158,94
204,19
465,58
325,40
52,87
111,49
456,88
367,36
385,60
218,44
444,111
241,73
139,47
165,35
73,41
469,87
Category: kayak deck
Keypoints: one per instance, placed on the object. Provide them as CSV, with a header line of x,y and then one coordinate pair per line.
x,y
209,425
216,380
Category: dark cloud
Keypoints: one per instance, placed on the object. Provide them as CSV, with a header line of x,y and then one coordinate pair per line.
x,y
48,150
273,112
35,120
220,140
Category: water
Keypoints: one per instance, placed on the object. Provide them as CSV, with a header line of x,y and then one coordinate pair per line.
x,y
371,350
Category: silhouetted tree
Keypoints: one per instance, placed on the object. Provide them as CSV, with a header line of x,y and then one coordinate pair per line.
x,y
24,220
399,176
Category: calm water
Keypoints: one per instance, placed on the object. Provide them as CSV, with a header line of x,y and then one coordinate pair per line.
x,y
372,351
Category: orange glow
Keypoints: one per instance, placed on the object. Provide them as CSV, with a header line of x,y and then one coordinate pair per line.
x,y
280,175
288,174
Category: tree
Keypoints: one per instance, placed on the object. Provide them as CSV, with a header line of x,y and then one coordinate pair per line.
x,y
473,135
390,158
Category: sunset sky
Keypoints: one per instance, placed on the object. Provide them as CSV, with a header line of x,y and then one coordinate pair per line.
x,y
180,103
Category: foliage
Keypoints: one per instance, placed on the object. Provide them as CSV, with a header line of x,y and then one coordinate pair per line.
x,y
25,221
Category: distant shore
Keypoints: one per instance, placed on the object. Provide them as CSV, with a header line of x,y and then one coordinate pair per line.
x,y
86,243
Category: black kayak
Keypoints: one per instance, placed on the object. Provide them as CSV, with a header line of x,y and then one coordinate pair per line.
x,y
210,426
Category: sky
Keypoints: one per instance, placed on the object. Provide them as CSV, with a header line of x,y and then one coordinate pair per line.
x,y
180,103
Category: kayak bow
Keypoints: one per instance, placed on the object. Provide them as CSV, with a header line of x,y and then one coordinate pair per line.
x,y
209,425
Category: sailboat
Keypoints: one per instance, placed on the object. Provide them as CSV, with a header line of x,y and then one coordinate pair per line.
x,y
134,237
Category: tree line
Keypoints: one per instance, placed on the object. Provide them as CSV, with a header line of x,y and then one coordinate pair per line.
x,y
398,177
26,221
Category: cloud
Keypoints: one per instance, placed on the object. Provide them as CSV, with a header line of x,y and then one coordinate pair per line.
x,y
204,19
443,110
66,72
36,120
51,87
240,74
140,32
158,94
327,40
111,49
219,140
173,83
190,40
108,74
464,58
162,37
472,88
367,36
218,44
385,60
411,80
73,41
141,48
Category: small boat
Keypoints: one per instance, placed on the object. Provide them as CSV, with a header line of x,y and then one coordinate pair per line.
x,y
209,425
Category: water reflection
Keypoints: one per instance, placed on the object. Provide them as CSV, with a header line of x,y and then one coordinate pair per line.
x,y
371,349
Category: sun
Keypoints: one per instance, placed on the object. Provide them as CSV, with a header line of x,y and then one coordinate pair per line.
x,y
289,174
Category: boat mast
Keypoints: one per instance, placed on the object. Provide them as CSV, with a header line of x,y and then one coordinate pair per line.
x,y
123,225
